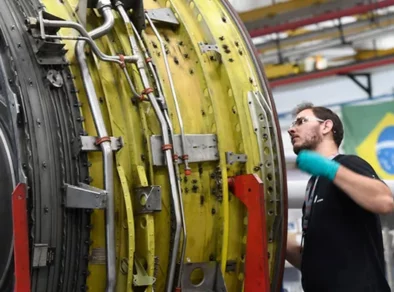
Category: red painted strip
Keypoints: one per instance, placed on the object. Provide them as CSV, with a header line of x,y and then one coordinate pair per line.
x,y
331,72
21,240
250,190
322,17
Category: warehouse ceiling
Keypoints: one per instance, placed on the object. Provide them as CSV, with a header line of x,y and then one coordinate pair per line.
x,y
300,40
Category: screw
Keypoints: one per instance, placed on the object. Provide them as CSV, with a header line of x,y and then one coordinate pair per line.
x,y
221,38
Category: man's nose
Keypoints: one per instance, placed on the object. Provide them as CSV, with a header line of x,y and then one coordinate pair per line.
x,y
291,130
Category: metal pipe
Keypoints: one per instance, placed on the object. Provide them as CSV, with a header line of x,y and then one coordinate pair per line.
x,y
166,128
180,121
177,174
105,145
359,9
70,24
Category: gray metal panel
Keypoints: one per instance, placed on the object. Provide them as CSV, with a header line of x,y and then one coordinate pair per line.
x,y
212,280
199,147
163,15
85,197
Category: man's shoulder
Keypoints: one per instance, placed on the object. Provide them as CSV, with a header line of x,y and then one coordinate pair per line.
x,y
357,164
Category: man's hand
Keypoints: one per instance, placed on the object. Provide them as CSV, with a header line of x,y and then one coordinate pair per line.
x,y
317,165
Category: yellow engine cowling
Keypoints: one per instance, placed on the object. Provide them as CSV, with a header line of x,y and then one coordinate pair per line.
x,y
185,86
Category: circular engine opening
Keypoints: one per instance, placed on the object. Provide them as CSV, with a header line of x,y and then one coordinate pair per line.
x,y
197,277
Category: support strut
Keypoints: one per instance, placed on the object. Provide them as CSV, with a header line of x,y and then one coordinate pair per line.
x,y
21,239
250,190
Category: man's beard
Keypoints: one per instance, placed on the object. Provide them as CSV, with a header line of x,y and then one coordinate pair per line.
x,y
311,142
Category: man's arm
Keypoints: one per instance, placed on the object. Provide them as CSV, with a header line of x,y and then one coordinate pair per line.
x,y
371,194
354,176
293,251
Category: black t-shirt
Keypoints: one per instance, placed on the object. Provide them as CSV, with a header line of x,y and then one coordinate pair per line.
x,y
343,246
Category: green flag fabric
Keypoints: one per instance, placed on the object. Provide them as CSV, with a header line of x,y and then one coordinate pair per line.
x,y
369,133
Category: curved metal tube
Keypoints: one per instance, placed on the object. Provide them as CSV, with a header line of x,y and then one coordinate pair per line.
x,y
166,127
187,168
105,146
84,33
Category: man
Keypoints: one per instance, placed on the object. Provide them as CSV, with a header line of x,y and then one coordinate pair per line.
x,y
341,249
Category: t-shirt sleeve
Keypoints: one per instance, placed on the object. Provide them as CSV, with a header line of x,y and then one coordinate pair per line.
x,y
358,165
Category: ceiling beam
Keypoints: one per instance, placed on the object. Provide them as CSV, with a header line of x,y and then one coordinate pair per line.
x,y
332,71
271,11
325,16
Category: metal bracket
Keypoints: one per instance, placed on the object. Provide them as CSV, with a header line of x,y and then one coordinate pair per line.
x,y
42,255
200,148
202,277
233,157
46,52
163,15
142,278
55,78
368,87
85,197
208,48
89,143
148,199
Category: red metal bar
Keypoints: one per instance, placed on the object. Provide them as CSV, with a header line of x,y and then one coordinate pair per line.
x,y
331,72
321,17
21,240
250,190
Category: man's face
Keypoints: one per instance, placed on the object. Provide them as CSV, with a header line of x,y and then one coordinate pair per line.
x,y
305,132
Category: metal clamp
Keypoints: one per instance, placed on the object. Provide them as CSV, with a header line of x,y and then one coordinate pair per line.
x,y
89,143
148,199
85,197
233,157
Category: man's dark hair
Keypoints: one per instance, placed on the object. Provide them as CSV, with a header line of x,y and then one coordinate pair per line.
x,y
325,114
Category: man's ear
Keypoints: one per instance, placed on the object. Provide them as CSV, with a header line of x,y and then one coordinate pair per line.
x,y
327,126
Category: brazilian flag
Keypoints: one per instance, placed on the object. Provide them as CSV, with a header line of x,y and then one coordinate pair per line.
x,y
369,133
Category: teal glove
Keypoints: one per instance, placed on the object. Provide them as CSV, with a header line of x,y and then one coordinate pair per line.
x,y
317,165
